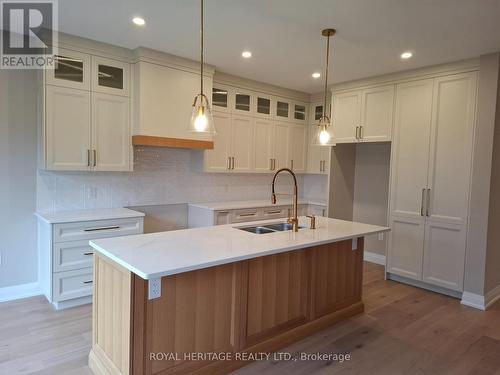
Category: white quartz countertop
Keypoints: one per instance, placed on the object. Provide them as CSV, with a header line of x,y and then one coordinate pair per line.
x,y
235,205
168,253
87,215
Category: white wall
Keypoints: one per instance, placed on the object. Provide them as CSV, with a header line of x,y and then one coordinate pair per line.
x,y
17,177
371,189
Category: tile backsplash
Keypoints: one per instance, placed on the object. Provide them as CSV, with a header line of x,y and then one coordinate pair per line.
x,y
160,176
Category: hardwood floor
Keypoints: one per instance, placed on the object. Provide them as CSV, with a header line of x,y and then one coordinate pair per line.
x,y
404,330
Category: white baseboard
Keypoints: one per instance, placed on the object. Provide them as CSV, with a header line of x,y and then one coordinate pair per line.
x,y
374,258
11,293
481,302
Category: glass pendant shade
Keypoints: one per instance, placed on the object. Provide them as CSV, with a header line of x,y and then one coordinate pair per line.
x,y
324,134
201,117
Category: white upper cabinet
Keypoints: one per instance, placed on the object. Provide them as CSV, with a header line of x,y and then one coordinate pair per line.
x,y
111,138
110,76
87,114
263,152
299,112
283,109
281,145
242,143
71,69
222,98
163,101
244,102
377,108
318,157
67,129
297,147
363,115
346,116
265,106
219,158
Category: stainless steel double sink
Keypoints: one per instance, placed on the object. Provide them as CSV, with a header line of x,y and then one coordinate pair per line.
x,y
268,228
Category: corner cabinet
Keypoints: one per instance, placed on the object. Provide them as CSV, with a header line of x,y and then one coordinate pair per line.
x,y
86,114
431,173
364,115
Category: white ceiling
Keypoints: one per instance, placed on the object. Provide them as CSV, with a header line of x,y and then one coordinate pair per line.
x,y
285,35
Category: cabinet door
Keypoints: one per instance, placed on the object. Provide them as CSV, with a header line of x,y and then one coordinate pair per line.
x,y
449,179
244,102
298,144
281,151
242,143
314,154
263,145
409,166
111,139
283,109
217,160
222,97
110,76
265,106
377,112
299,112
67,129
71,69
346,116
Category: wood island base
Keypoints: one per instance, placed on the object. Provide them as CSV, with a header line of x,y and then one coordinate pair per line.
x,y
259,305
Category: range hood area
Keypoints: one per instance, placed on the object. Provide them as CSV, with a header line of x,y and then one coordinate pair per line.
x,y
164,87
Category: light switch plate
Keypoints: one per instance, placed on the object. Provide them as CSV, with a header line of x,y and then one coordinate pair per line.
x,y
154,288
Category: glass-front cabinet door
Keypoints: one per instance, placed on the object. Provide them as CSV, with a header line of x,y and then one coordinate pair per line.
x,y
110,76
299,112
265,106
71,69
243,102
220,98
282,109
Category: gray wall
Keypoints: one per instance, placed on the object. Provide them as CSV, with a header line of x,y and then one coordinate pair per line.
x,y
371,189
493,247
475,265
17,177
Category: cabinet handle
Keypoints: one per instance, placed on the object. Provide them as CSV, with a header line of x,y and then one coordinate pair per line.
x,y
361,132
88,253
229,162
357,132
428,202
88,282
101,228
422,202
233,161
273,212
271,164
274,164
246,215
95,158
88,158
291,164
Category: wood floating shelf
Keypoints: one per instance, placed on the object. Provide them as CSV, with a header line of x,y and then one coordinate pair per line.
x,y
150,141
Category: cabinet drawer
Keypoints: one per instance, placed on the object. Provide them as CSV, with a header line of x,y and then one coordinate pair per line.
x,y
241,216
97,229
72,256
72,284
275,212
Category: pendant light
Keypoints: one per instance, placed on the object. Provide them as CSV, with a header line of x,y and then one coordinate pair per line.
x,y
324,134
201,117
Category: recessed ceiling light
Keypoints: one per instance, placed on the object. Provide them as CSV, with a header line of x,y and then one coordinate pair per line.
x,y
139,21
406,55
316,75
246,54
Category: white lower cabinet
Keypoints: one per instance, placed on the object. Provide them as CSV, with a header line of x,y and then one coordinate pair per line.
x,y
431,163
202,216
66,258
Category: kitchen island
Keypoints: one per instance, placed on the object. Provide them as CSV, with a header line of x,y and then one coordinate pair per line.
x,y
198,300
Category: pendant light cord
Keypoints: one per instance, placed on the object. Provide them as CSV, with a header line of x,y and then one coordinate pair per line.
x,y
201,52
326,71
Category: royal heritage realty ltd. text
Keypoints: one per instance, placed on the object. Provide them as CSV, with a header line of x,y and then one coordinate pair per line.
x,y
242,356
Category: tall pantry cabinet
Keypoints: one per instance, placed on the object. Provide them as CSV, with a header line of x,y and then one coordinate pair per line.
x,y
430,179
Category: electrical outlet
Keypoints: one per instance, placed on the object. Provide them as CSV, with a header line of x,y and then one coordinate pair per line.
x,y
154,288
381,236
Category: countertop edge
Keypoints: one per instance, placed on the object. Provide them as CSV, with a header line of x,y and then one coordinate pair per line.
x,y
50,218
